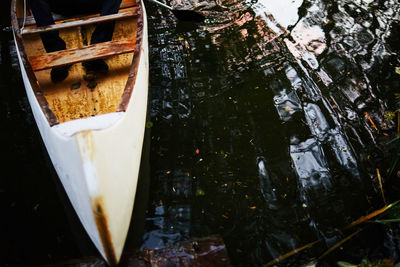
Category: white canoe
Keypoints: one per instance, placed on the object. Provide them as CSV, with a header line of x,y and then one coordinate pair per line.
x,y
93,136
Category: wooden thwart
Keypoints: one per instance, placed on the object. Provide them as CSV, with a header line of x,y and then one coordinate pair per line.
x,y
30,20
86,53
81,22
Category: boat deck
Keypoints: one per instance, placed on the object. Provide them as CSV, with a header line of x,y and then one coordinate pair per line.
x,y
76,97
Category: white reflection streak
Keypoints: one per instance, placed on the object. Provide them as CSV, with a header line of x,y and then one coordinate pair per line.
x,y
285,12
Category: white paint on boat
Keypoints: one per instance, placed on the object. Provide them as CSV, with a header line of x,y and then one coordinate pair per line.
x,y
98,122
65,156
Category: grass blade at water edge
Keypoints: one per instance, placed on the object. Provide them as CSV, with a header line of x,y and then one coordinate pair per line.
x,y
371,215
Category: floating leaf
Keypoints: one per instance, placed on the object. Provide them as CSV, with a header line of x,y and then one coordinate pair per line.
x,y
200,192
345,264
287,108
149,124
390,115
397,70
181,38
311,264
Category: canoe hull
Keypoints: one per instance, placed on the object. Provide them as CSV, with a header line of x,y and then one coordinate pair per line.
x,y
98,166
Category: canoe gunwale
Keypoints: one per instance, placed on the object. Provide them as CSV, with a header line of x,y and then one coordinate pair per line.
x,y
43,103
130,84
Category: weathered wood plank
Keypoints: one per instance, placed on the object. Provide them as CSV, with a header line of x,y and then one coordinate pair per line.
x,y
30,20
80,22
86,53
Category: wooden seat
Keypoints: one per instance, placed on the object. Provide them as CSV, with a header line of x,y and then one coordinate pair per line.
x,y
81,22
81,54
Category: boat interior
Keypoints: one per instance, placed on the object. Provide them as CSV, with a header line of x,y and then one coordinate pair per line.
x,y
81,95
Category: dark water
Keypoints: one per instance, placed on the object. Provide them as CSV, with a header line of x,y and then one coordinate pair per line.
x,y
269,122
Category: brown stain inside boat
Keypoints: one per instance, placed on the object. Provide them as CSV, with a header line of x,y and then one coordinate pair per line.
x,y
66,101
105,236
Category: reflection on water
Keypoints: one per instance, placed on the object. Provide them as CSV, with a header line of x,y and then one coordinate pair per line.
x,y
272,110
269,124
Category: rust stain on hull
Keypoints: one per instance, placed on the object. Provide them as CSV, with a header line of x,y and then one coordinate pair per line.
x,y
102,226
